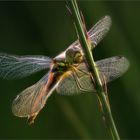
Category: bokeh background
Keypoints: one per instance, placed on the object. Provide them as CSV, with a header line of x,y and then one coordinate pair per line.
x,y
46,28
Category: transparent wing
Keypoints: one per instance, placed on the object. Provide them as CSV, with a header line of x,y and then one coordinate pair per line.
x,y
97,32
113,67
23,105
13,67
110,68
30,101
75,83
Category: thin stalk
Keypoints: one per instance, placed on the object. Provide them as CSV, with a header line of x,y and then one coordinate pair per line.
x,y
85,43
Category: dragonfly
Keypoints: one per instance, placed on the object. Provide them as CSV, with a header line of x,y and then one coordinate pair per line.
x,y
68,72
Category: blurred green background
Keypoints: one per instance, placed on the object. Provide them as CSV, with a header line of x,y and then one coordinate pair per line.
x,y
46,28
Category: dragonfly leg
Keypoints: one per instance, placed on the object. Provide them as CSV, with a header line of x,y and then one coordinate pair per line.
x,y
103,80
31,118
85,73
78,82
105,87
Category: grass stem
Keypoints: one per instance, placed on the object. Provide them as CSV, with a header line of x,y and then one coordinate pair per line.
x,y
107,115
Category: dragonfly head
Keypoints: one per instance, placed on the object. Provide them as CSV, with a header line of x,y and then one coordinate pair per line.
x,y
74,55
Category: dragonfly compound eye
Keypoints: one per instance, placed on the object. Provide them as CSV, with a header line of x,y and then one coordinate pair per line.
x,y
78,57
74,55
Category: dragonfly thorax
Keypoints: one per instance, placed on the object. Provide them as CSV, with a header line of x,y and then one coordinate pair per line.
x,y
60,67
74,55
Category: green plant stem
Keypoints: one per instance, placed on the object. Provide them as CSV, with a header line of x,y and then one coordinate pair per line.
x,y
92,67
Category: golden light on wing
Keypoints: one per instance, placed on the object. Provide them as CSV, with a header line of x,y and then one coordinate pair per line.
x,y
30,102
75,81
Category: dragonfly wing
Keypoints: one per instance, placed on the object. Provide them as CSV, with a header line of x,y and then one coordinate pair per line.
x,y
99,30
22,104
110,69
113,67
14,67
67,85
76,82
30,101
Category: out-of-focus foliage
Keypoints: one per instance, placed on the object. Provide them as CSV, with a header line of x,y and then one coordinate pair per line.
x,y
46,28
